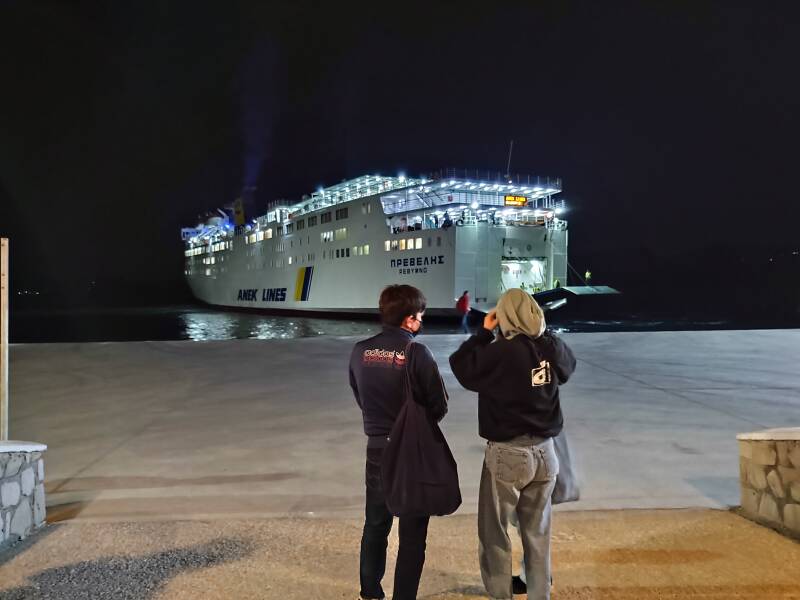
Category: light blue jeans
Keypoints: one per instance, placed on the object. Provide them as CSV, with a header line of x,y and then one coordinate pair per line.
x,y
518,477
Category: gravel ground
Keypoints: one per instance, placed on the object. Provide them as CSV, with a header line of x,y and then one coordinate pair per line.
x,y
626,555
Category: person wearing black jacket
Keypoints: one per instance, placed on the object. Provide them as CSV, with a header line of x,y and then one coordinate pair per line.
x,y
517,377
376,377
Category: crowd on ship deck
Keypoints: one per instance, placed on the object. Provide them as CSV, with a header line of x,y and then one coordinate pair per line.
x,y
457,218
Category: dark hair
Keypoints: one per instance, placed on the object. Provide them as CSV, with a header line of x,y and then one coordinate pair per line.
x,y
399,301
465,292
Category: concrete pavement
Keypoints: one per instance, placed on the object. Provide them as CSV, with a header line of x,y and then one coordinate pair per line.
x,y
610,555
249,428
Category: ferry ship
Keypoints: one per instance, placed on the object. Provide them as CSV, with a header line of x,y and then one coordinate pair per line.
x,y
335,250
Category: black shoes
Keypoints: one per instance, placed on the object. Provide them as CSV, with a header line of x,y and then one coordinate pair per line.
x,y
518,586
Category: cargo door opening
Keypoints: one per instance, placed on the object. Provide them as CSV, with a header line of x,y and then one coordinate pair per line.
x,y
529,275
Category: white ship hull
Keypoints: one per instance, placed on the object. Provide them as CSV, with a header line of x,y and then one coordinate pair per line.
x,y
310,270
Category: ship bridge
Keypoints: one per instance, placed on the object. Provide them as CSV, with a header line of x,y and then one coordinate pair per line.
x,y
466,198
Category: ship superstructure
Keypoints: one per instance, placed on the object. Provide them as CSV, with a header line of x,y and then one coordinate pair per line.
x,y
335,250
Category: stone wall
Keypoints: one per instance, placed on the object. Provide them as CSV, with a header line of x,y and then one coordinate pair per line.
x,y
22,501
769,477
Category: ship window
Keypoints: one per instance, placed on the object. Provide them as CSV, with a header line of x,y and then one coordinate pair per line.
x,y
347,252
312,221
429,241
355,251
363,208
418,243
289,228
402,244
341,233
387,245
325,217
394,244
280,229
337,253
366,249
324,254
290,260
369,208
341,213
326,236
438,240
301,224
268,233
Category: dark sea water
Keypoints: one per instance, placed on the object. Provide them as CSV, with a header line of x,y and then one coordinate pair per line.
x,y
202,323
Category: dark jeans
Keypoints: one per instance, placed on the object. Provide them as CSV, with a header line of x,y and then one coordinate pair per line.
x,y
377,524
465,322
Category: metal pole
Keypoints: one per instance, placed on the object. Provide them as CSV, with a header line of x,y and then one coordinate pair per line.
x,y
4,282
508,166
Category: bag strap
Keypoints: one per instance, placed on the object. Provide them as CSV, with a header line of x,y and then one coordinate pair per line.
x,y
407,387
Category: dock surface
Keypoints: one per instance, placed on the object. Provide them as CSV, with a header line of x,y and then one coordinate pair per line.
x,y
252,429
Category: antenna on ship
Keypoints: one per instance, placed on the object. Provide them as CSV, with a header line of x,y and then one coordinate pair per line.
x,y
508,165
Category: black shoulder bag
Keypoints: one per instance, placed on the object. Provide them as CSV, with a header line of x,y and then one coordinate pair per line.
x,y
418,471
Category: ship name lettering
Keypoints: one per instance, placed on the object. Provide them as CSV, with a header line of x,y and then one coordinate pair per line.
x,y
273,295
414,270
419,261
247,295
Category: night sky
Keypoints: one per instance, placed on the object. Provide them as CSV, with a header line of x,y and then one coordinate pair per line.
x,y
674,125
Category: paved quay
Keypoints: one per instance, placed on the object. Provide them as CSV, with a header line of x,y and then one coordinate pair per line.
x,y
698,554
234,470
249,428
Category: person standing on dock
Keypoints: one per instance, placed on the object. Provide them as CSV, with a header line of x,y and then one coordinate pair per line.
x,y
462,306
377,372
517,376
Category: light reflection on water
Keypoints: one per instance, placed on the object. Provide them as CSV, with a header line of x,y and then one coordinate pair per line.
x,y
205,326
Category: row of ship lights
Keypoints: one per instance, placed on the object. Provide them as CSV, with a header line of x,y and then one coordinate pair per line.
x,y
493,187
505,212
456,185
227,228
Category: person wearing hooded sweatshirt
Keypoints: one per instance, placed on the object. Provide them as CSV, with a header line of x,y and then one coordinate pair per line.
x,y
517,376
377,371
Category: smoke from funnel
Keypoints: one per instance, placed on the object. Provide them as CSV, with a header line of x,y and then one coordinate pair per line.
x,y
258,108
